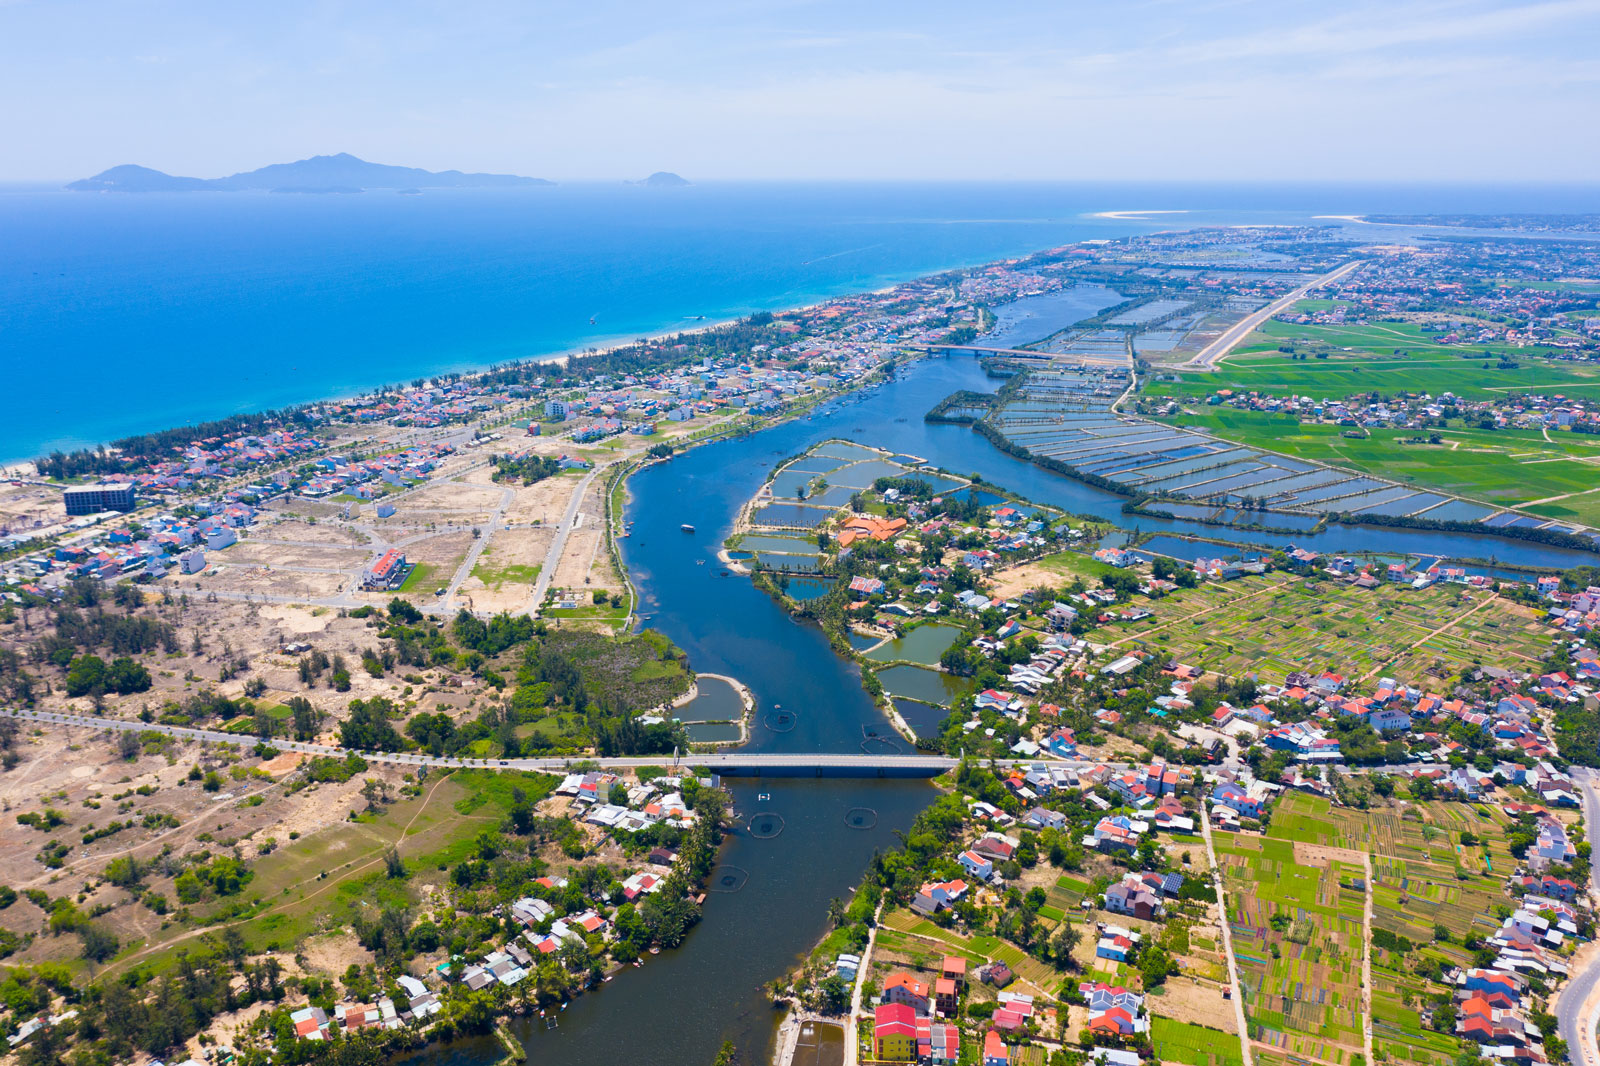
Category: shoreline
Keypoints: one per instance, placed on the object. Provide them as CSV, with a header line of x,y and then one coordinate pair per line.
x,y
1140,216
23,465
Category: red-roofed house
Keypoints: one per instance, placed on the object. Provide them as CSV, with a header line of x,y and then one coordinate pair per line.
x,y
894,1032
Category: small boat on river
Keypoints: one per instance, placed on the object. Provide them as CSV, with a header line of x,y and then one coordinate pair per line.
x,y
687,528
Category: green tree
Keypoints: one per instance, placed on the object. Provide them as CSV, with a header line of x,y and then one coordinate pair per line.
x,y
99,943
86,676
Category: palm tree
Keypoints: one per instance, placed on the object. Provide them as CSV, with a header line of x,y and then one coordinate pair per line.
x,y
836,911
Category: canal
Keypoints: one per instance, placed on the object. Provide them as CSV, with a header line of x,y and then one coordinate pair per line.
x,y
769,901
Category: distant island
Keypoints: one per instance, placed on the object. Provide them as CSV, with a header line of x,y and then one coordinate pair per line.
x,y
663,179
320,174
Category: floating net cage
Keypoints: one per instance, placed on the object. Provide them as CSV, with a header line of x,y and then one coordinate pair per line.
x,y
728,878
764,825
861,818
881,745
780,720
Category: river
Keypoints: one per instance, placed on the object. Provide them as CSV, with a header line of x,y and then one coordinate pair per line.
x,y
682,1004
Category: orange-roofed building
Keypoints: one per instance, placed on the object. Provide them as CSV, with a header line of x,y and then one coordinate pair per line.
x,y
903,988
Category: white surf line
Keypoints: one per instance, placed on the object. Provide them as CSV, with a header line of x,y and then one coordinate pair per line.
x,y
1139,216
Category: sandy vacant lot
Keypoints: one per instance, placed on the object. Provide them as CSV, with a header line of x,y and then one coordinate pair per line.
x,y
266,553
25,507
302,532
504,576
254,580
545,501
452,496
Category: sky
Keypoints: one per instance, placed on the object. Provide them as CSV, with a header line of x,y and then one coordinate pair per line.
x,y
1180,90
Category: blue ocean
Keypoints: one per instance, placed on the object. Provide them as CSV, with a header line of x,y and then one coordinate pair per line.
x,y
121,313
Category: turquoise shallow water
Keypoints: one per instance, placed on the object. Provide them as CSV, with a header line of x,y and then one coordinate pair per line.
x,y
125,313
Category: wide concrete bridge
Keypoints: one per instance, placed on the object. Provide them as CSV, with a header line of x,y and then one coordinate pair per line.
x,y
729,764
1108,361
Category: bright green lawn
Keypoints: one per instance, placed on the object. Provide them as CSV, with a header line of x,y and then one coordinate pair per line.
x,y
419,579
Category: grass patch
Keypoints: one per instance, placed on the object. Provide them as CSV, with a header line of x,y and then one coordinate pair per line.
x,y
421,577
494,576
1194,1045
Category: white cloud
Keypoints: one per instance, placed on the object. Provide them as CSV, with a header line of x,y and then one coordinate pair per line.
x,y
1158,89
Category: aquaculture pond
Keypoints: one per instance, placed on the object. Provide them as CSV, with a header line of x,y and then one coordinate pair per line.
x,y
715,701
923,718
712,732
918,683
764,542
789,514
801,589
923,644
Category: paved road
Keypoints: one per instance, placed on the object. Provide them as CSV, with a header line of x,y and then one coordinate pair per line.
x,y
865,765
1245,1049
1577,1025
1207,359
731,763
480,543
552,558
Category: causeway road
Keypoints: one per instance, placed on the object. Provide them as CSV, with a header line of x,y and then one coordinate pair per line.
x,y
1209,356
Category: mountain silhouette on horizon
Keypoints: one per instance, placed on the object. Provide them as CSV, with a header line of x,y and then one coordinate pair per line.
x,y
322,173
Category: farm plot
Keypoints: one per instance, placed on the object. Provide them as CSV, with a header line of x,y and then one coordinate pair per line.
x,y
1424,881
1507,467
1298,944
1040,975
1193,1045
1319,624
1386,357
